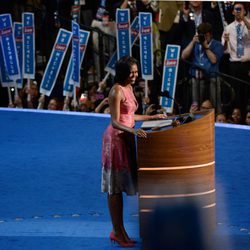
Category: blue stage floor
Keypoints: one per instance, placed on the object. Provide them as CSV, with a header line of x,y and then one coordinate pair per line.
x,y
50,183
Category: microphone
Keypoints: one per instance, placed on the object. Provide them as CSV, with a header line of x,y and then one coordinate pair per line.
x,y
183,120
166,94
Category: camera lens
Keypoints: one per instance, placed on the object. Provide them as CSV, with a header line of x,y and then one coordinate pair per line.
x,y
238,9
201,38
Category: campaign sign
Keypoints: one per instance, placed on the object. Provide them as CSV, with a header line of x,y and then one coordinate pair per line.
x,y
146,45
84,38
4,77
75,11
18,33
123,33
169,78
110,67
8,45
55,61
75,78
28,45
67,87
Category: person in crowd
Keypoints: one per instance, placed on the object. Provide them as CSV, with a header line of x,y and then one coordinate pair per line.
x,y
205,105
235,117
103,107
167,23
55,16
88,8
105,22
18,102
248,106
221,118
30,96
143,101
53,104
131,5
93,97
135,7
204,53
236,41
222,13
103,89
151,6
247,118
118,148
191,16
84,103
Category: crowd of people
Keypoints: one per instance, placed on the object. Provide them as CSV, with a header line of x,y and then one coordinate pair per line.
x,y
211,43
200,30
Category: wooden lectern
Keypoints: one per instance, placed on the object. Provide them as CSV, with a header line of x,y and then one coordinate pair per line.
x,y
178,165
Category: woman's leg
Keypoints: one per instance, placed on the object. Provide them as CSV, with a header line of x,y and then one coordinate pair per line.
x,y
115,203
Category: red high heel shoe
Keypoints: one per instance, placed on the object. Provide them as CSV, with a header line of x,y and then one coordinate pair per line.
x,y
113,239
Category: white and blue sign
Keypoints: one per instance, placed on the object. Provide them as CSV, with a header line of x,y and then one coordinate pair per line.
x,y
67,87
8,45
110,67
146,45
75,10
55,61
75,78
169,78
18,33
28,45
123,33
4,76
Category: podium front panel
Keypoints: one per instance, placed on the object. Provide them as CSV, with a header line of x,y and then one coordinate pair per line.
x,y
177,166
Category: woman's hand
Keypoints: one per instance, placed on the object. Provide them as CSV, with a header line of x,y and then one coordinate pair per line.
x,y
140,133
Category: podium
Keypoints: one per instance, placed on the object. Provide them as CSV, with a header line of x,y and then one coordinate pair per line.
x,y
176,165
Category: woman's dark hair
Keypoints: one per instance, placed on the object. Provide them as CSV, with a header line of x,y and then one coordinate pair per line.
x,y
123,68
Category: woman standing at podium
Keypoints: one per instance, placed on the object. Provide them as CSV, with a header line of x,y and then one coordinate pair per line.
x,y
119,170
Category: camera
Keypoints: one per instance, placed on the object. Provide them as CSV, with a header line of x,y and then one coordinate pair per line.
x,y
201,37
238,9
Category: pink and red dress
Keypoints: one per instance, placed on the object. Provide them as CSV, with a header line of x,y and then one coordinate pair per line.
x,y
119,169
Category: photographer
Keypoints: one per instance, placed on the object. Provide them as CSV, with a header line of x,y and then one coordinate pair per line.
x,y
204,53
191,16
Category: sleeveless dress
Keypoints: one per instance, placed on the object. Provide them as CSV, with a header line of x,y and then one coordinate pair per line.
x,y
119,169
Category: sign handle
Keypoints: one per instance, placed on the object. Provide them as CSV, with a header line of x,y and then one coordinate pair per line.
x,y
66,103
41,102
10,98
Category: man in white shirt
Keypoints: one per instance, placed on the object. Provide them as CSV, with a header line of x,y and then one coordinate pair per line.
x,y
236,41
